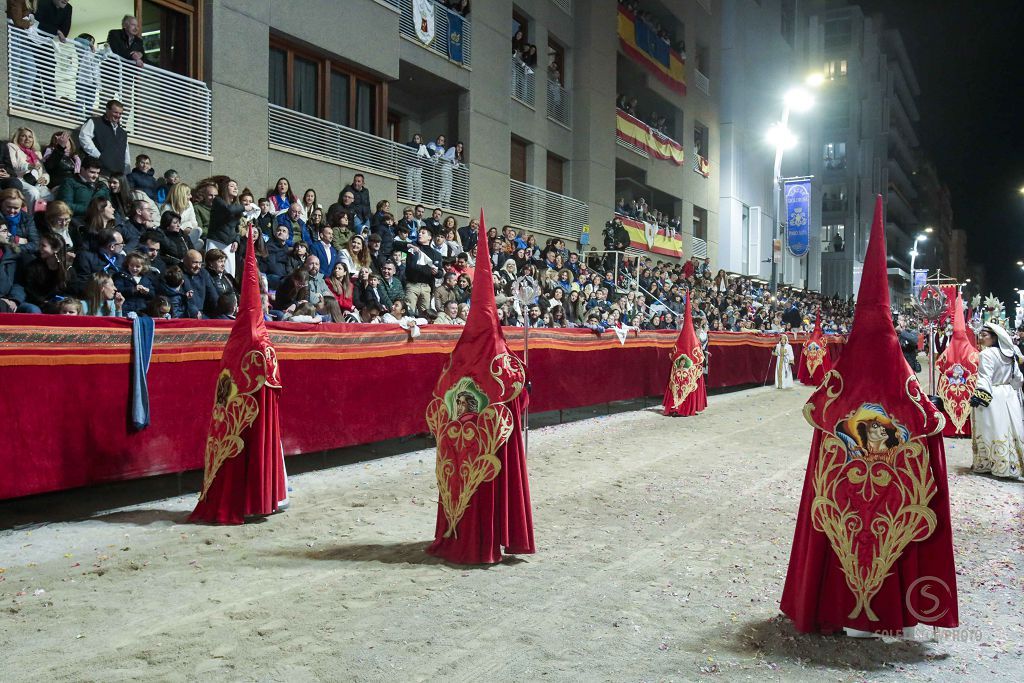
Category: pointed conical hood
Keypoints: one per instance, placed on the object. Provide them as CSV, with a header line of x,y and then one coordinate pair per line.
x,y
249,332
872,373
957,370
816,332
687,340
482,340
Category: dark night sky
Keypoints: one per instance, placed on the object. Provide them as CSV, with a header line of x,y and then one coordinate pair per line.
x,y
969,59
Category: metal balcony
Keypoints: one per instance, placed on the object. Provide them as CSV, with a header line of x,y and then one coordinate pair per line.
x,y
558,103
539,210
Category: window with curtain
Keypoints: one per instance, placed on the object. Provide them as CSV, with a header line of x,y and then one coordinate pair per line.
x,y
323,86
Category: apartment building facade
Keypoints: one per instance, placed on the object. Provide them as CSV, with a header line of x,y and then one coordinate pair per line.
x,y
320,90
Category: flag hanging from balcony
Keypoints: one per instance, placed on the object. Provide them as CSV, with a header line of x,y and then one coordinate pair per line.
x,y
640,41
638,133
649,237
455,37
798,216
423,20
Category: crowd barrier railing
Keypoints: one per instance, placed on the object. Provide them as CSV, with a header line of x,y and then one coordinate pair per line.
x,y
343,385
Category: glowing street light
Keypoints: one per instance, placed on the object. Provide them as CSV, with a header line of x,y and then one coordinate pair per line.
x,y
780,137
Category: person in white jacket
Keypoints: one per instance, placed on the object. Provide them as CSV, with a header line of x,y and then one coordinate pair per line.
x,y
997,420
783,363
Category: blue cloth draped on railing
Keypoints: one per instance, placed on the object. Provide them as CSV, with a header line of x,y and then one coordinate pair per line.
x,y
647,39
455,27
142,349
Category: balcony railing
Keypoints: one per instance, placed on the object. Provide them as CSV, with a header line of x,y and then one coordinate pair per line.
x,y
631,147
698,247
434,182
523,82
702,82
701,165
536,209
440,44
558,103
64,83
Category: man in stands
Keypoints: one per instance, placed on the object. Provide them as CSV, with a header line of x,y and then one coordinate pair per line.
x,y
434,222
142,176
104,138
198,283
360,198
80,189
54,17
324,250
127,43
137,223
276,262
421,269
205,193
149,245
107,258
468,234
391,285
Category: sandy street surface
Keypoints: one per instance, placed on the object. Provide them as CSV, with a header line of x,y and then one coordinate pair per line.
x,y
662,552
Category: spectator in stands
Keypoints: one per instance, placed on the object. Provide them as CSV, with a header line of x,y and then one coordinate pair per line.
x,y
179,201
391,285
54,17
104,138
449,315
324,250
371,294
174,243
142,177
88,82
27,165
60,159
266,220
355,255
276,263
414,167
297,230
225,214
360,198
421,268
107,256
434,222
197,280
309,204
282,196
126,43
45,278
206,191
137,223
12,294
218,284
135,284
339,284
319,295
57,221
99,216
150,246
101,297
120,195
172,287
23,235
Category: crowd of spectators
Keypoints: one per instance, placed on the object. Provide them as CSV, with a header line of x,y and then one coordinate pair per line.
x,y
677,43
117,243
654,120
638,209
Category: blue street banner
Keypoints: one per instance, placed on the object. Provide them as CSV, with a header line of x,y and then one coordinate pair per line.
x,y
920,280
455,37
798,216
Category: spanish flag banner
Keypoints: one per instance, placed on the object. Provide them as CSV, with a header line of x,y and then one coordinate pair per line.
x,y
655,143
648,237
639,41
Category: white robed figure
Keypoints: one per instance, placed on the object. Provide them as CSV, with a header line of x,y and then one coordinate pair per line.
x,y
998,418
783,364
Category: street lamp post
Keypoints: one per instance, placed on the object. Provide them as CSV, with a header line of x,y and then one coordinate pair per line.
x,y
798,100
920,237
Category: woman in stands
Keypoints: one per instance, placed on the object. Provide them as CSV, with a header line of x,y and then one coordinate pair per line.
x,y
463,289
282,196
216,266
297,256
99,216
121,196
101,297
58,222
309,204
46,276
341,286
27,162
293,289
179,200
60,158
355,255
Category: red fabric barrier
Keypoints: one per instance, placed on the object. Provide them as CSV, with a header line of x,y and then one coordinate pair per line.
x,y
66,389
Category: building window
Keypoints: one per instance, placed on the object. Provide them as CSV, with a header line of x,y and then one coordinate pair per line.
x,y
556,174
837,112
325,87
170,34
833,198
835,69
556,62
703,60
833,238
835,155
700,140
788,19
517,160
837,34
700,223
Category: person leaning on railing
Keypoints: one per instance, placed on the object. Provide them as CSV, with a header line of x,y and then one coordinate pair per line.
x,y
126,42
